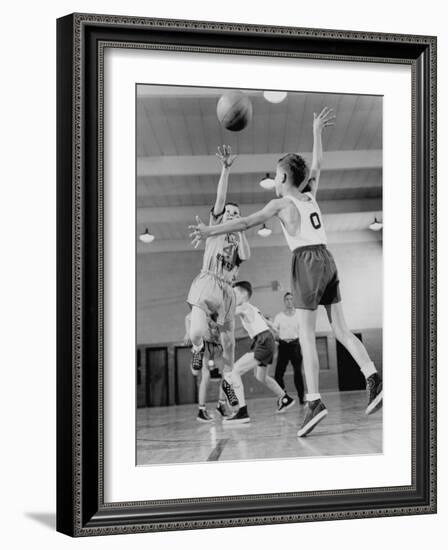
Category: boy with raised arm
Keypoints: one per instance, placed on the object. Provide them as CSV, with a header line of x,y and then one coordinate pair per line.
x,y
211,294
314,277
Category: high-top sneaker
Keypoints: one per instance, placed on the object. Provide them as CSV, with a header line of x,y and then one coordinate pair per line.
x,y
240,417
203,416
375,392
215,374
229,393
316,413
284,403
196,360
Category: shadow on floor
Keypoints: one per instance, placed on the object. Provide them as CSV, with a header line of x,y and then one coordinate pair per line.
x,y
48,519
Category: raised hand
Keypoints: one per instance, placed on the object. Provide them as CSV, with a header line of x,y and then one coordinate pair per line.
x,y
323,119
225,156
199,232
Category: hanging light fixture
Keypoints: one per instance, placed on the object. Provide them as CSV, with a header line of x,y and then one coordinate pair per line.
x,y
275,97
267,182
264,231
376,225
146,237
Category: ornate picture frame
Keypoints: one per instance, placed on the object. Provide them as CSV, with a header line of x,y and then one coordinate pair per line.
x,y
81,43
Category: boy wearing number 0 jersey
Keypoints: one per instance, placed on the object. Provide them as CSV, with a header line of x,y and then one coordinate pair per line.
x,y
314,276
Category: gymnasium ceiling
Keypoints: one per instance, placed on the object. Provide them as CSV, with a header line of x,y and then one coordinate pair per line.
x,y
177,172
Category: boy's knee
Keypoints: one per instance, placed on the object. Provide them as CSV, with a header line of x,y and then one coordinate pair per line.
x,y
341,335
195,335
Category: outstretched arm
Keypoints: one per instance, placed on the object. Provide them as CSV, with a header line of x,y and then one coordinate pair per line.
x,y
322,120
226,159
201,231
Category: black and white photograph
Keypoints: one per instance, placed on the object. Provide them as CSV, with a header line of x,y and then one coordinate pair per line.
x,y
259,274
224,249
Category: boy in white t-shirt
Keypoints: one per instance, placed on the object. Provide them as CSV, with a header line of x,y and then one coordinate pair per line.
x,y
257,359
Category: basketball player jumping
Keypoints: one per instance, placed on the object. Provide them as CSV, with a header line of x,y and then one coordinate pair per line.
x,y
257,359
211,293
314,277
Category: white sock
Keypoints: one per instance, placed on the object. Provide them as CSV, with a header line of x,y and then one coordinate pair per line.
x,y
368,369
312,396
197,348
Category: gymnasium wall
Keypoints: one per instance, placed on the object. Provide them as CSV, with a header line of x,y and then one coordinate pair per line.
x,y
175,385
163,280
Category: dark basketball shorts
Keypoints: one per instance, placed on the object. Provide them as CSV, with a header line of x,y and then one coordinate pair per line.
x,y
263,348
314,277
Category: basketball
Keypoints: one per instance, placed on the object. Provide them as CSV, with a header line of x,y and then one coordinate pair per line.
x,y
234,111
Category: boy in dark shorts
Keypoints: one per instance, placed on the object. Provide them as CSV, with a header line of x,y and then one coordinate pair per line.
x,y
314,277
259,357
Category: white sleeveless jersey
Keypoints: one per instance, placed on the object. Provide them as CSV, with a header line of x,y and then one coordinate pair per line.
x,y
311,230
252,320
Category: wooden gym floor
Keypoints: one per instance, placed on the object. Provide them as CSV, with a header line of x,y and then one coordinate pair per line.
x,y
167,435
